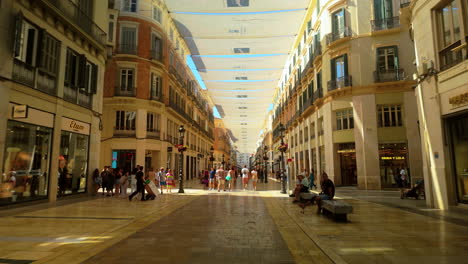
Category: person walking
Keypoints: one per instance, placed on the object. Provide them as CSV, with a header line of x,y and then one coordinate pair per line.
x,y
221,176
110,182
254,176
312,180
140,187
118,177
245,176
133,178
402,183
212,179
170,181
105,179
124,184
231,178
161,177
97,180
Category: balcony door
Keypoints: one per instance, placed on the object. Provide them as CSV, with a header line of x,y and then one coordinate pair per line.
x,y
338,22
383,9
387,59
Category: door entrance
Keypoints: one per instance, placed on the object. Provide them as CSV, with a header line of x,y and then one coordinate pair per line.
x,y
347,152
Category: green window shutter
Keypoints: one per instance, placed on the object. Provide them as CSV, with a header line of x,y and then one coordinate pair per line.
x,y
18,40
378,10
345,59
333,69
82,71
41,48
68,68
94,73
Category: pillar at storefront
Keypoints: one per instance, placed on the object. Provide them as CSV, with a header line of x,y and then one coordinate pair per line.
x,y
366,138
140,135
4,90
412,133
94,153
54,163
331,162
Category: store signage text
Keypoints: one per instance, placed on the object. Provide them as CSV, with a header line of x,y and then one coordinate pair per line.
x,y
20,111
458,100
392,158
75,126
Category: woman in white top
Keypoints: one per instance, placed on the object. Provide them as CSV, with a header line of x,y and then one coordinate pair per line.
x,y
245,177
254,176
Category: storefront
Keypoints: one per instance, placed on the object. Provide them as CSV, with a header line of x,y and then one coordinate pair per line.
x,y
393,158
347,154
73,158
124,159
26,167
457,132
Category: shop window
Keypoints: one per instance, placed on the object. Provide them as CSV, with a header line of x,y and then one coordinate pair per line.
x,y
389,116
344,119
456,128
26,163
73,163
125,120
392,159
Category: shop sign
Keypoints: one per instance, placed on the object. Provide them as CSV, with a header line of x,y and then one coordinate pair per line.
x,y
392,158
346,151
20,111
75,126
459,100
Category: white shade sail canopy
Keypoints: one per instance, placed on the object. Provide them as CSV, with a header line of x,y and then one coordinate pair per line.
x,y
239,48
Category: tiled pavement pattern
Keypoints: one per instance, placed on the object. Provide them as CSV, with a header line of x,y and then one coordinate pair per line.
x,y
198,224
211,229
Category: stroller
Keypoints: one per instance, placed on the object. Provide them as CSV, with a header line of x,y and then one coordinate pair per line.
x,y
416,191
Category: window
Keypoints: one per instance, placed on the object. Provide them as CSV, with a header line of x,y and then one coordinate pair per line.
x,y
449,33
157,14
128,40
73,163
125,120
80,73
156,47
129,5
320,126
344,119
237,3
383,9
338,22
110,36
389,116
300,137
241,50
152,122
306,134
339,67
127,79
155,86
387,59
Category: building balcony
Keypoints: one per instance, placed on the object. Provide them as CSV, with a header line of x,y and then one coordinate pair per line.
x,y
34,77
404,3
156,55
334,36
389,75
318,94
317,52
124,133
156,96
78,96
70,11
153,134
125,91
386,23
340,82
451,56
127,49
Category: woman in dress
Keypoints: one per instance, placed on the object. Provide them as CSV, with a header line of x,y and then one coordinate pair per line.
x,y
170,182
254,176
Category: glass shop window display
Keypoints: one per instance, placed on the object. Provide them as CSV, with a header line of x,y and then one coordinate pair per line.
x,y
26,163
73,163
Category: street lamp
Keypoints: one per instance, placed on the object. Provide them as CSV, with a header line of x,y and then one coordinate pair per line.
x,y
265,159
211,156
181,149
282,148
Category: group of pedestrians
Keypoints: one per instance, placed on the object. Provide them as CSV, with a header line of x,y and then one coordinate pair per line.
x,y
226,179
115,182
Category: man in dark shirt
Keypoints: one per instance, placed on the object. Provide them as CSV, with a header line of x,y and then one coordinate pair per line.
x,y
328,191
140,185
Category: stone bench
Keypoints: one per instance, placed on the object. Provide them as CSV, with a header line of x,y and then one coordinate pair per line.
x,y
339,208
308,195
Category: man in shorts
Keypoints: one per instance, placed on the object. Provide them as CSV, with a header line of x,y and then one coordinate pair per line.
x,y
221,178
245,176
211,182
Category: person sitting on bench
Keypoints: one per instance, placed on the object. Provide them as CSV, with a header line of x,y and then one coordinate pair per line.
x,y
301,187
328,191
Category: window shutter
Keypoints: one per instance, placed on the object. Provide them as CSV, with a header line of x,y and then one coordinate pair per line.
x,y
378,12
395,50
333,69
41,48
82,71
94,73
18,40
345,59
68,69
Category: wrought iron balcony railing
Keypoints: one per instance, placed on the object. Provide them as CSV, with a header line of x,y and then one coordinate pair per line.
x,y
386,23
340,82
121,90
127,49
342,33
72,11
389,75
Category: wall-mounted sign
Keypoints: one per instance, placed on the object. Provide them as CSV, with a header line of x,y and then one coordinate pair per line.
x,y
20,111
459,100
75,126
393,158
